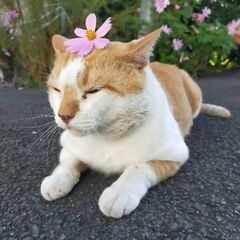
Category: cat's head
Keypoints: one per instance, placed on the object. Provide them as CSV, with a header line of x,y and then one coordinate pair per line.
x,y
103,91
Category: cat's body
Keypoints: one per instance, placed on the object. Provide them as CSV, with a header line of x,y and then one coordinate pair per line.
x,y
134,125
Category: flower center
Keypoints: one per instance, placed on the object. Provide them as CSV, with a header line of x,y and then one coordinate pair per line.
x,y
91,34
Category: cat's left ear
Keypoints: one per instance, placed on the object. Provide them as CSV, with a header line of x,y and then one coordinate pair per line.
x,y
58,43
139,51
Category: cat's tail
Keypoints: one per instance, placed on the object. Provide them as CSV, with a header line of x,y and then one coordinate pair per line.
x,y
215,110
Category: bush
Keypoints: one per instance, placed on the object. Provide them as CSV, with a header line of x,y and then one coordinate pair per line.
x,y
26,42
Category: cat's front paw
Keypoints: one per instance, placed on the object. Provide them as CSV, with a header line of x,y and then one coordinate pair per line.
x,y
116,202
57,185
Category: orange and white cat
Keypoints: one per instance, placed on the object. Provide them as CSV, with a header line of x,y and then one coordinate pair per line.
x,y
121,114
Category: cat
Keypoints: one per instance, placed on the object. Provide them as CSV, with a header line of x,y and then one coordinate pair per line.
x,y
120,114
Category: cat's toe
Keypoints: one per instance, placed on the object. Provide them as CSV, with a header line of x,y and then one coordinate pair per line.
x,y
57,185
115,202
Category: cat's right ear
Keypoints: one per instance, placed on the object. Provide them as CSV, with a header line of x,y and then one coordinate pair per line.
x,y
58,43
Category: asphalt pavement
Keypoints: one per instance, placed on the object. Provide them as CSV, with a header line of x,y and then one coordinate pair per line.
x,y
201,202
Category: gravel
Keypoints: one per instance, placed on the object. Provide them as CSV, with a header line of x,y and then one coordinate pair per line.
x,y
201,202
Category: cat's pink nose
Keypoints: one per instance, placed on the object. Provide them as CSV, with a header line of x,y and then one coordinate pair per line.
x,y
66,118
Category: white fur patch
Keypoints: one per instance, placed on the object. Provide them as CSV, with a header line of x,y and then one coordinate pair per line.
x,y
63,178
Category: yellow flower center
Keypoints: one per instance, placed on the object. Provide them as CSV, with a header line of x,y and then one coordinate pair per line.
x,y
91,34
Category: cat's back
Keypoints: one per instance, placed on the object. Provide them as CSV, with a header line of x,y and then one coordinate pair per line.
x,y
183,93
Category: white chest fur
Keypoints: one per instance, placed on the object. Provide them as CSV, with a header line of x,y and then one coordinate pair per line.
x,y
158,138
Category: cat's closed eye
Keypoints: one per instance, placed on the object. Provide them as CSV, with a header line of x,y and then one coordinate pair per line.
x,y
90,91
55,89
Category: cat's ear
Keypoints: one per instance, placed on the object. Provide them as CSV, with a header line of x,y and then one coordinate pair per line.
x,y
139,51
58,43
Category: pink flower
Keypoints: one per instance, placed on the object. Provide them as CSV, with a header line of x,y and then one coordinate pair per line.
x,y
11,30
161,5
11,15
198,17
206,12
177,6
177,44
166,29
88,39
232,26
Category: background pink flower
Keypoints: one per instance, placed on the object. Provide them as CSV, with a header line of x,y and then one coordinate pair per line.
x,y
89,38
198,17
166,29
11,14
206,12
177,6
232,26
161,5
177,44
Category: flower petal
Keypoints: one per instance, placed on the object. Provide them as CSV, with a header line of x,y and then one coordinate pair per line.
x,y
91,21
74,49
101,42
80,32
86,48
104,29
74,42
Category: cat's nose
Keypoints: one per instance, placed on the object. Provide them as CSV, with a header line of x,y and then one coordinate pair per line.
x,y
66,118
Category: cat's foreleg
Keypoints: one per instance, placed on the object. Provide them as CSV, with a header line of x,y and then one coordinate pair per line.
x,y
124,195
63,178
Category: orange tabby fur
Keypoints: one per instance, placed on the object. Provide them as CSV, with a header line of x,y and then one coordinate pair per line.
x,y
164,169
69,105
183,93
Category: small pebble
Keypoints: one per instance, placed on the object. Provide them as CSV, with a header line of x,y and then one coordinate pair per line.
x,y
35,230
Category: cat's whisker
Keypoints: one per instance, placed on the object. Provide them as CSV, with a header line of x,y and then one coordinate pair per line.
x,y
51,138
41,126
102,124
99,135
33,118
54,139
40,139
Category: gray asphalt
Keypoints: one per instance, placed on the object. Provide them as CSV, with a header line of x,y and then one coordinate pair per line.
x,y
201,202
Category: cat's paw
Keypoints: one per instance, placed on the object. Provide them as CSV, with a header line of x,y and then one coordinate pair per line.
x,y
57,185
116,202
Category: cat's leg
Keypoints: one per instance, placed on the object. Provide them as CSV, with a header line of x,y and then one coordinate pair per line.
x,y
63,178
124,195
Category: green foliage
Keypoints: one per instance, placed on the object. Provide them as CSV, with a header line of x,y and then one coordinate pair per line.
x,y
207,45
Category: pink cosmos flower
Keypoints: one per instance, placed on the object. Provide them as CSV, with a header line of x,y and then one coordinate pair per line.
x,y
177,6
11,15
166,29
232,26
198,17
177,44
88,39
161,5
206,12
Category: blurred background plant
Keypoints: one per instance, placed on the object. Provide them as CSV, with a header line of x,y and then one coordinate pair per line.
x,y
197,35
